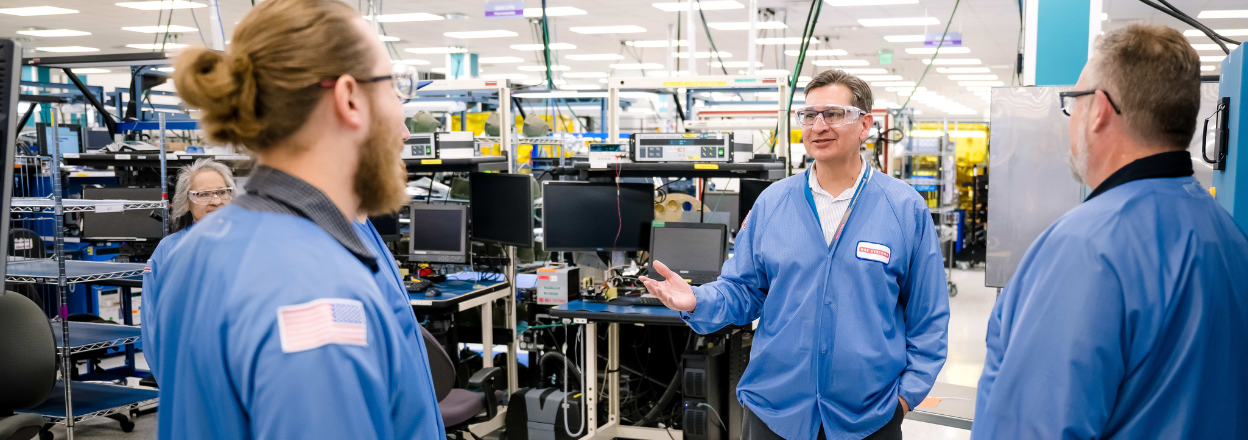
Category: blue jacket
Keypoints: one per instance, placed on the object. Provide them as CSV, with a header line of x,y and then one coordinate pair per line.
x,y
844,329
233,365
153,267
1126,320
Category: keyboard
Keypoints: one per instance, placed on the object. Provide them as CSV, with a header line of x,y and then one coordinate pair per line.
x,y
648,301
419,285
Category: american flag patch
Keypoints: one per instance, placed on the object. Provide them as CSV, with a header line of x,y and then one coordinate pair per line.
x,y
147,268
322,322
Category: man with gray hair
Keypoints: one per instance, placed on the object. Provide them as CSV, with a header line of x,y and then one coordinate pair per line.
x,y
1125,318
841,268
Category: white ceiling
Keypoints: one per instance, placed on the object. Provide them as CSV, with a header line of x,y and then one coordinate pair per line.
x,y
990,29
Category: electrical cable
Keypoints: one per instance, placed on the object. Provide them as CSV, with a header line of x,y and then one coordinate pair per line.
x,y
1174,12
936,52
711,39
619,215
167,23
1198,24
199,28
579,330
156,36
714,413
812,18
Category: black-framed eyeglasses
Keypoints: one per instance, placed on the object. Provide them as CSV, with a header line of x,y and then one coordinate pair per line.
x,y
1067,100
404,76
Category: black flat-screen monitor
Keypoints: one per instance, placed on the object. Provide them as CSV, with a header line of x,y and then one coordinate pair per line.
x,y
695,251
70,136
729,202
579,216
502,208
750,190
438,233
387,226
125,224
10,77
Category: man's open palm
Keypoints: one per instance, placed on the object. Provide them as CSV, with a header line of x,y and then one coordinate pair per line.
x,y
674,292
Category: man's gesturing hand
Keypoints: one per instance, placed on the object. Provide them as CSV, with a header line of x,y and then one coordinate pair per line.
x,y
675,292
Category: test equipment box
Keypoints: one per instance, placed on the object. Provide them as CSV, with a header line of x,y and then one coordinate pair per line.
x,y
558,285
682,147
609,153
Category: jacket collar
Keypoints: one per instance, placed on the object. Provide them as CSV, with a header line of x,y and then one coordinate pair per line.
x,y
1161,165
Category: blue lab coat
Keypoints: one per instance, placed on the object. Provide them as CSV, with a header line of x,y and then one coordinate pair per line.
x,y
226,374
1125,320
841,334
153,266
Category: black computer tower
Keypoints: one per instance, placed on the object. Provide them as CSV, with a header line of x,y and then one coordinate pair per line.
x,y
705,388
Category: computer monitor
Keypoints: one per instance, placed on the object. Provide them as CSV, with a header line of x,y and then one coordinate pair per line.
x,y
438,234
580,216
10,77
502,208
70,136
125,224
387,226
729,202
750,190
695,251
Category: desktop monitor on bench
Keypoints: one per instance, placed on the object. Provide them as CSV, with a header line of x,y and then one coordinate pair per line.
x,y
579,216
125,224
438,234
70,138
502,208
695,251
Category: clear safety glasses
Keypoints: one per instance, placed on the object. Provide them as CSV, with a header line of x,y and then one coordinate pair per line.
x,y
831,115
402,76
206,196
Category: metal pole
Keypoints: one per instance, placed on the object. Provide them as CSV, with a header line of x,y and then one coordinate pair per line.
x,y
783,147
672,46
58,234
164,177
692,26
613,113
504,105
214,21
752,50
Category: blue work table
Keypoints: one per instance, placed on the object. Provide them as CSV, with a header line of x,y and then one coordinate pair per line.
x,y
602,312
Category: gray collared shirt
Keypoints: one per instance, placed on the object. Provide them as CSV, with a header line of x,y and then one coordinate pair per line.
x,y
271,190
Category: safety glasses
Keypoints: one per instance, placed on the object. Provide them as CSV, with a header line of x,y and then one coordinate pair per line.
x,y
831,115
402,76
206,196
1067,100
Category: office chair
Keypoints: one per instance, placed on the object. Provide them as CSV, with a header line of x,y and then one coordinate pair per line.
x,y
460,407
27,364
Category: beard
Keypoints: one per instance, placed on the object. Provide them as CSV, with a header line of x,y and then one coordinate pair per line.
x,y
381,178
1078,160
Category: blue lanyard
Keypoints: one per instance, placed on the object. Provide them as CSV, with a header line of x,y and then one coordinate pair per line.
x,y
866,176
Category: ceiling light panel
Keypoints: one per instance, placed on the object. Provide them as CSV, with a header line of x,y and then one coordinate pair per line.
x,y
1236,13
537,47
904,21
844,3
36,11
953,61
973,77
388,38
1208,68
1209,46
818,53
841,63
67,49
1212,58
595,57
162,46
636,66
543,68
585,75
435,50
407,18
784,40
162,5
555,11
981,83
872,71
1223,32
498,33
53,33
932,50
159,29
904,38
963,70
893,84
736,64
656,43
880,77
703,55
500,60
623,29
745,25
709,5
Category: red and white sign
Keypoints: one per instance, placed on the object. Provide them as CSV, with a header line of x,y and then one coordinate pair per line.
x,y
874,252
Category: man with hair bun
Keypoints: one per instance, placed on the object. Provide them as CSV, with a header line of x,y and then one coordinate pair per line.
x,y
281,316
1126,317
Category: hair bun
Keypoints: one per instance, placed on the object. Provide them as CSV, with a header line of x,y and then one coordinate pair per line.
x,y
223,89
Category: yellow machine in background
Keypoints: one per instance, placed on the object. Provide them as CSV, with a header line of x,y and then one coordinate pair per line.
x,y
970,150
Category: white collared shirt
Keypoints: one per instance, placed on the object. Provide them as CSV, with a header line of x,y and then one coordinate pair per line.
x,y
831,208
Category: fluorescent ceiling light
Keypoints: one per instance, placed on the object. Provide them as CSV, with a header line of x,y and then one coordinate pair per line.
x,y
745,25
1236,13
880,77
412,62
981,83
703,55
405,18
585,75
979,89
963,70
1208,68
736,64
1223,32
771,72
893,84
582,87
162,5
387,38
37,10
505,76
54,33
656,43
905,89
1209,46
904,38
150,46
843,3
709,5
500,60
872,71
595,57
818,52
553,11
165,69
498,33
636,66
543,68
953,61
803,78
1212,58
159,29
973,77
67,49
435,50
623,29
908,21
535,47
841,63
90,70
438,70
785,40
932,50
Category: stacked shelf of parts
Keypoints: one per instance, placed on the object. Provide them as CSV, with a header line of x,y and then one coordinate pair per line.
x,y
33,204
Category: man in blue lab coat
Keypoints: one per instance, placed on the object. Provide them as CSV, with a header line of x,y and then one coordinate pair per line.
x,y
1126,317
280,316
841,267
